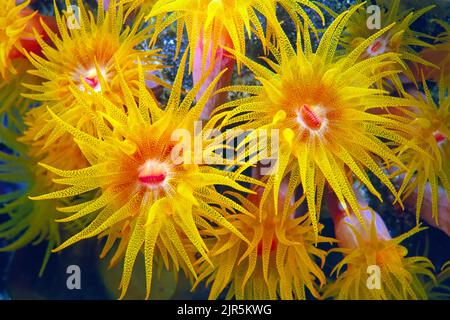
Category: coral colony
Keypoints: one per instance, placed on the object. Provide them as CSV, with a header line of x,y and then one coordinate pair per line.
x,y
229,182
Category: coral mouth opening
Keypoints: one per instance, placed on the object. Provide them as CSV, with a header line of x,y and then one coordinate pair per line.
x,y
92,79
153,174
93,82
152,179
309,118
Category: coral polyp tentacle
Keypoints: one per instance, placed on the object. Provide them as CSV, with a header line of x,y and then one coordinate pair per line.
x,y
430,128
401,39
308,117
206,21
153,173
142,185
84,60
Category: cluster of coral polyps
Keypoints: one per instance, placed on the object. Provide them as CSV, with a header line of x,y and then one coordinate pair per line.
x,y
92,150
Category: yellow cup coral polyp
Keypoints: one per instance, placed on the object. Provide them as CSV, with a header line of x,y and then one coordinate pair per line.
x,y
321,105
147,198
27,222
439,55
142,5
85,56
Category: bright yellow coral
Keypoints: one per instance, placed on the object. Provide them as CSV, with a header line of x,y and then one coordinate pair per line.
x,y
151,198
225,22
399,39
87,54
440,290
322,106
443,45
280,261
49,150
28,222
15,27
